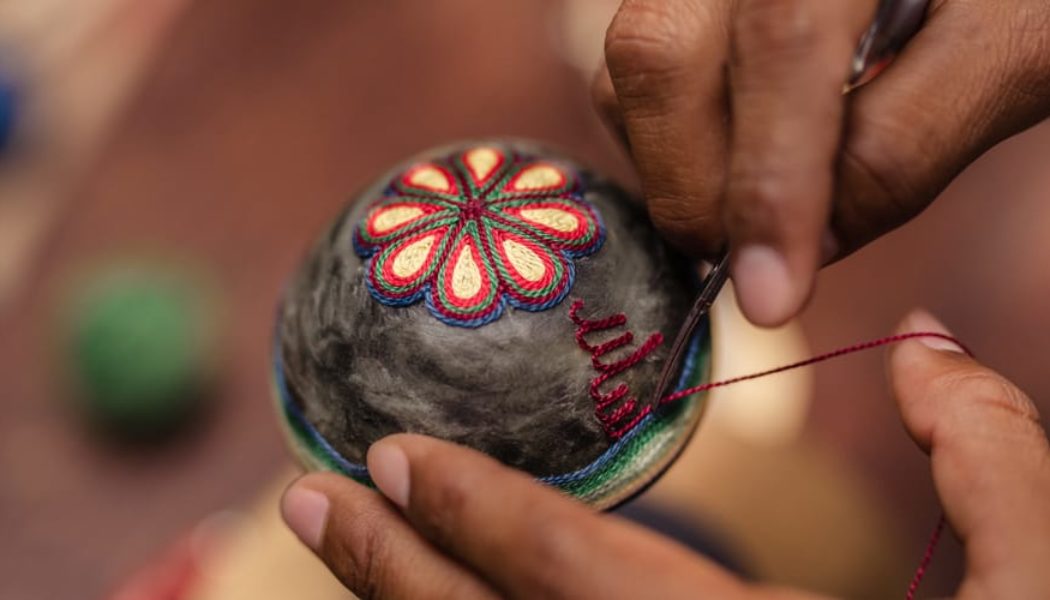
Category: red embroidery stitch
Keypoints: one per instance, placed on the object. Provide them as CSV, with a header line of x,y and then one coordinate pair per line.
x,y
616,417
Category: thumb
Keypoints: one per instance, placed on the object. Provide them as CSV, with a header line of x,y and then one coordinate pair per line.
x,y
368,545
990,459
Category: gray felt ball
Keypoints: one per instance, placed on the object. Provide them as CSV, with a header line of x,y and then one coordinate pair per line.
x,y
439,302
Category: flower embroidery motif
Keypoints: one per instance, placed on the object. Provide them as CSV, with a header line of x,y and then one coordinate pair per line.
x,y
475,231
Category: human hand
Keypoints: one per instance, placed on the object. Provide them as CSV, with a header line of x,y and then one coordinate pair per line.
x,y
734,114
460,525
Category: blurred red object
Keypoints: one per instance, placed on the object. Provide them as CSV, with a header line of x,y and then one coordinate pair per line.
x,y
173,575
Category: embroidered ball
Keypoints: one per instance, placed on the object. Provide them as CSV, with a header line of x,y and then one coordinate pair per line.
x,y
499,296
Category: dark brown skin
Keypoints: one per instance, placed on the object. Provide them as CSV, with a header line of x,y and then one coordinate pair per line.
x,y
734,114
449,522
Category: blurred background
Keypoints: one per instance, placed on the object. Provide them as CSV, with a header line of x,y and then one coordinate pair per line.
x,y
165,163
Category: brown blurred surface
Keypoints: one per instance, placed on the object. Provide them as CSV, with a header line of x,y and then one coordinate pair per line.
x,y
254,126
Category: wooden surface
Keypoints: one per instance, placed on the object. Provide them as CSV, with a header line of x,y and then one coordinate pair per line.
x,y
259,119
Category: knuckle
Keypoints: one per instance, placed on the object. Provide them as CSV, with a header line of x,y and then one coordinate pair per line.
x,y
757,198
558,541
990,391
1028,52
1027,30
447,504
639,36
875,196
360,560
691,226
781,28
878,163
648,42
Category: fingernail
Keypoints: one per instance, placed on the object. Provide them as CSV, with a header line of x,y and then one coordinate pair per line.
x,y
921,321
388,467
763,284
305,511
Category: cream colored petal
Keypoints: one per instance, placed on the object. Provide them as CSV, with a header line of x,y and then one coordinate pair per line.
x,y
390,218
482,162
408,262
430,178
555,218
524,260
466,276
538,177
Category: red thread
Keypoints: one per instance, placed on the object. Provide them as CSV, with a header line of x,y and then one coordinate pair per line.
x,y
585,326
611,420
607,347
602,401
931,546
927,556
900,337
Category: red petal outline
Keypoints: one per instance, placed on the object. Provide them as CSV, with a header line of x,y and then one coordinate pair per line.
x,y
394,280
373,233
479,182
451,189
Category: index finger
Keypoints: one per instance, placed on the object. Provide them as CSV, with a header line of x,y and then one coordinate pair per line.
x,y
666,94
527,539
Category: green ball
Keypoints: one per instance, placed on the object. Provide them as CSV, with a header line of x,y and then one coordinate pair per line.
x,y
140,349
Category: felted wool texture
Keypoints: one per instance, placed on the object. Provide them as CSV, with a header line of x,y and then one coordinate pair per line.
x,y
630,465
515,388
